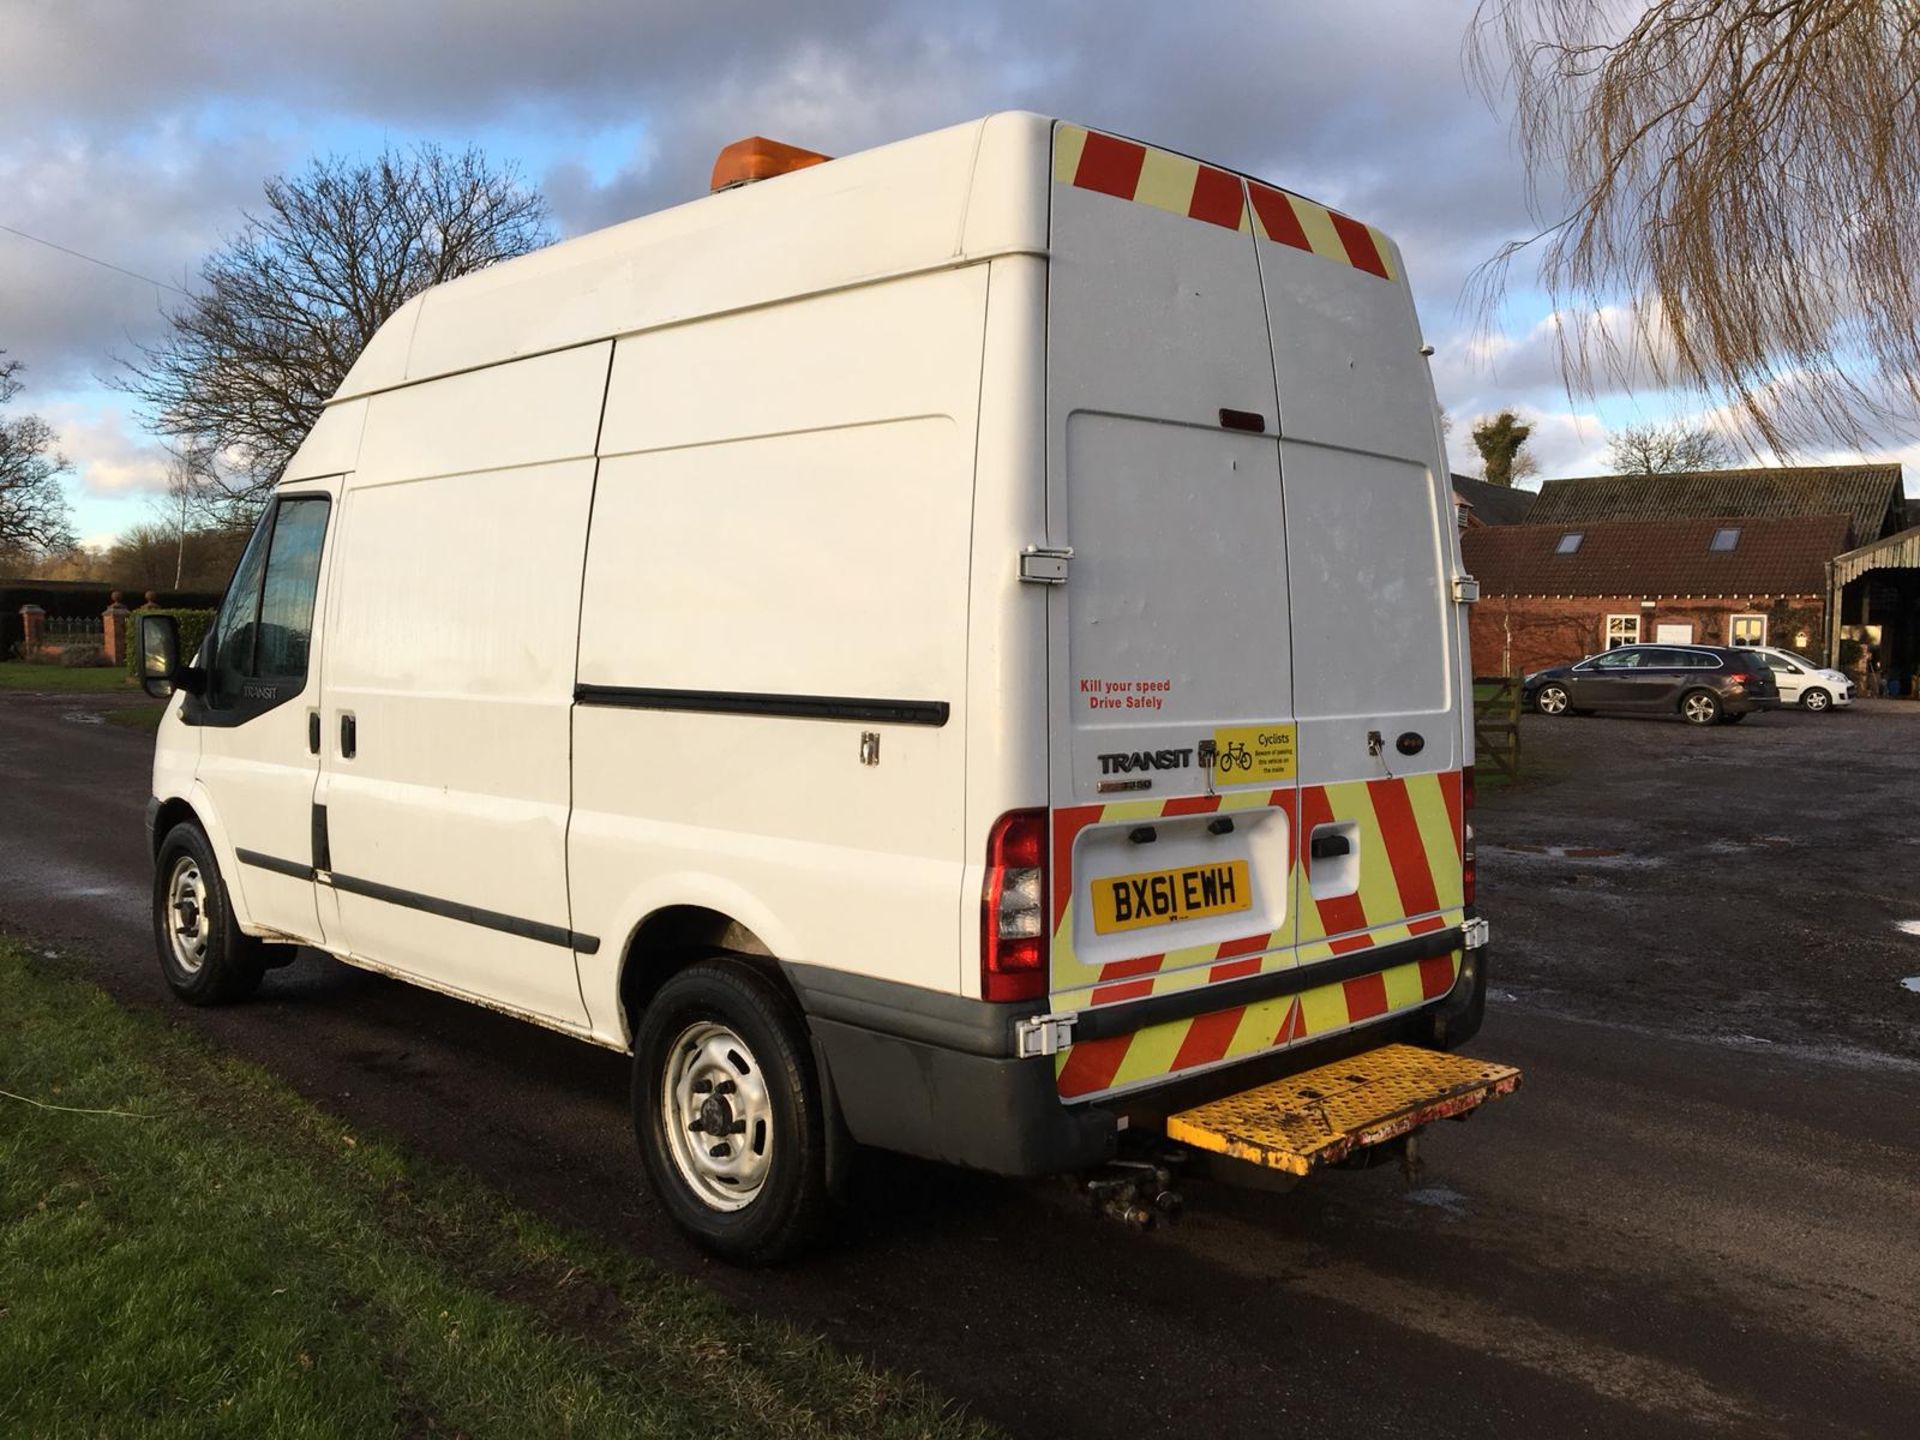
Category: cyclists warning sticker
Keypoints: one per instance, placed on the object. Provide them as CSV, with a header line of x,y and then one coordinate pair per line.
x,y
1248,754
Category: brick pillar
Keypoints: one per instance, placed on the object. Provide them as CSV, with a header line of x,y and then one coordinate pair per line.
x,y
34,621
113,631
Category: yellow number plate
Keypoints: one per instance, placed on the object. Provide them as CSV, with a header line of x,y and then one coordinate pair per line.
x,y
1130,902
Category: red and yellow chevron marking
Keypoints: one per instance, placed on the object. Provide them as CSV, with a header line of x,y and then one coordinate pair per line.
x,y
1132,171
1139,976
1289,219
1408,832
1123,1061
1128,170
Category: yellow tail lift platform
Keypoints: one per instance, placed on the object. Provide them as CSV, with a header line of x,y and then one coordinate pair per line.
x,y
1323,1115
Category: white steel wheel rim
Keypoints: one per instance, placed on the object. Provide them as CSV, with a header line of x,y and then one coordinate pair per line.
x,y
1700,708
188,929
1816,700
718,1116
1553,700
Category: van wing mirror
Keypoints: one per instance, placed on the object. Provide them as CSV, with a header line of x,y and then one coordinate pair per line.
x,y
157,658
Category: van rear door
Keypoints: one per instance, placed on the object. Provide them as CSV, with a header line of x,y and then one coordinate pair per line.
x,y
1171,753
1376,631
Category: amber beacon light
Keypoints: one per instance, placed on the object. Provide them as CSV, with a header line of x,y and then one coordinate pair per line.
x,y
758,158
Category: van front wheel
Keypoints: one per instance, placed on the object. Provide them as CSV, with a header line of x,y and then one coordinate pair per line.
x,y
727,1110
203,954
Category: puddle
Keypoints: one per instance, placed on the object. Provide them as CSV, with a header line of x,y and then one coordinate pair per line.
x,y
1587,854
1439,1197
1912,982
1907,927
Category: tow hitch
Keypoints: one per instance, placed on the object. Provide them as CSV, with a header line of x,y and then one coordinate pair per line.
x,y
1139,1193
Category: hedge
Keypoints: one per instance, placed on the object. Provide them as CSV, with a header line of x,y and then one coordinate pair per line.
x,y
193,629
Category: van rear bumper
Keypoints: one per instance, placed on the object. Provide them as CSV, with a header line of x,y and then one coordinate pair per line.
x,y
998,1115
933,1075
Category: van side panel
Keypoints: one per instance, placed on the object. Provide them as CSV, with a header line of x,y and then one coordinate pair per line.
x,y
450,642
1006,631
777,567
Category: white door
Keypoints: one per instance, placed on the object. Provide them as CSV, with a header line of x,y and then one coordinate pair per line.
x,y
449,680
1172,764
1377,642
257,757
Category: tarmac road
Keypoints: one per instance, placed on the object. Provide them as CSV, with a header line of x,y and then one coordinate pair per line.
x,y
1661,1234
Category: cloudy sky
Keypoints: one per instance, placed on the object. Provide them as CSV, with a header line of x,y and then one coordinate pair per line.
x,y
138,131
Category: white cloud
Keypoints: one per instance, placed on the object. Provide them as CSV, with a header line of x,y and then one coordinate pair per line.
x,y
111,458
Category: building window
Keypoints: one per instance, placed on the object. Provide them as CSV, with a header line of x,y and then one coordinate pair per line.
x,y
1725,538
1569,542
1622,630
1745,630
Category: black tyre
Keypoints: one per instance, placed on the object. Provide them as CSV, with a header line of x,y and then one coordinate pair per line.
x,y
727,1110
1700,707
203,955
1815,699
1552,699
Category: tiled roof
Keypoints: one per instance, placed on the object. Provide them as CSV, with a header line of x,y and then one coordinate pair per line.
x,y
1494,504
1657,557
1866,494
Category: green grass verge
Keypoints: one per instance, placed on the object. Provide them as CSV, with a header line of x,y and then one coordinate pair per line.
x,y
16,675
220,1258
137,717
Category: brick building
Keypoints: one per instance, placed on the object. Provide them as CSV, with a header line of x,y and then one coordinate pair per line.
x,y
1714,557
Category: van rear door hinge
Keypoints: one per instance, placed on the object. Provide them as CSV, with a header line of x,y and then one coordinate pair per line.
x,y
1466,590
1045,564
1475,934
1043,1035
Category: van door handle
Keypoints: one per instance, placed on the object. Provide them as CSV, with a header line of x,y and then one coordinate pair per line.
x,y
313,732
349,736
1328,847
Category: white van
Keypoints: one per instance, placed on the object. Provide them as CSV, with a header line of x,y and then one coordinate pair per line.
x,y
960,648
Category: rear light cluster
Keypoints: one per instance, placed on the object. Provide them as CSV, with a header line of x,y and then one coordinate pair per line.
x,y
1013,909
1739,677
1468,856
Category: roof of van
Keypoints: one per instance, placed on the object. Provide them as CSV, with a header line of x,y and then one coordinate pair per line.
x,y
947,198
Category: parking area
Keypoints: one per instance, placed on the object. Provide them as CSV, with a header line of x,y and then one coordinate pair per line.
x,y
1733,881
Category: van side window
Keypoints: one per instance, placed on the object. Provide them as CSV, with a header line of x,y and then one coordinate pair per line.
x,y
293,578
266,625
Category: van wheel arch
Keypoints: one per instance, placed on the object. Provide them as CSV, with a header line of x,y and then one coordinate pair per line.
x,y
171,813
671,939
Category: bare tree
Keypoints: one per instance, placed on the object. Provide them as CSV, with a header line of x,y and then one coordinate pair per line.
x,y
1743,176
285,308
33,507
1664,450
1499,439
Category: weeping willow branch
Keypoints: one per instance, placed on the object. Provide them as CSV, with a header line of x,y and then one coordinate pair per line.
x,y
1746,173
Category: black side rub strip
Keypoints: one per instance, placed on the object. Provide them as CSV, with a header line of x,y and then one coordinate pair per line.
x,y
275,864
746,702
1098,1023
446,909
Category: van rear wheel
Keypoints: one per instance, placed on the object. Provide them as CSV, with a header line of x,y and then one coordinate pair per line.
x,y
727,1110
203,954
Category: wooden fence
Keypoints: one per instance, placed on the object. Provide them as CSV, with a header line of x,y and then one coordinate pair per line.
x,y
1496,723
